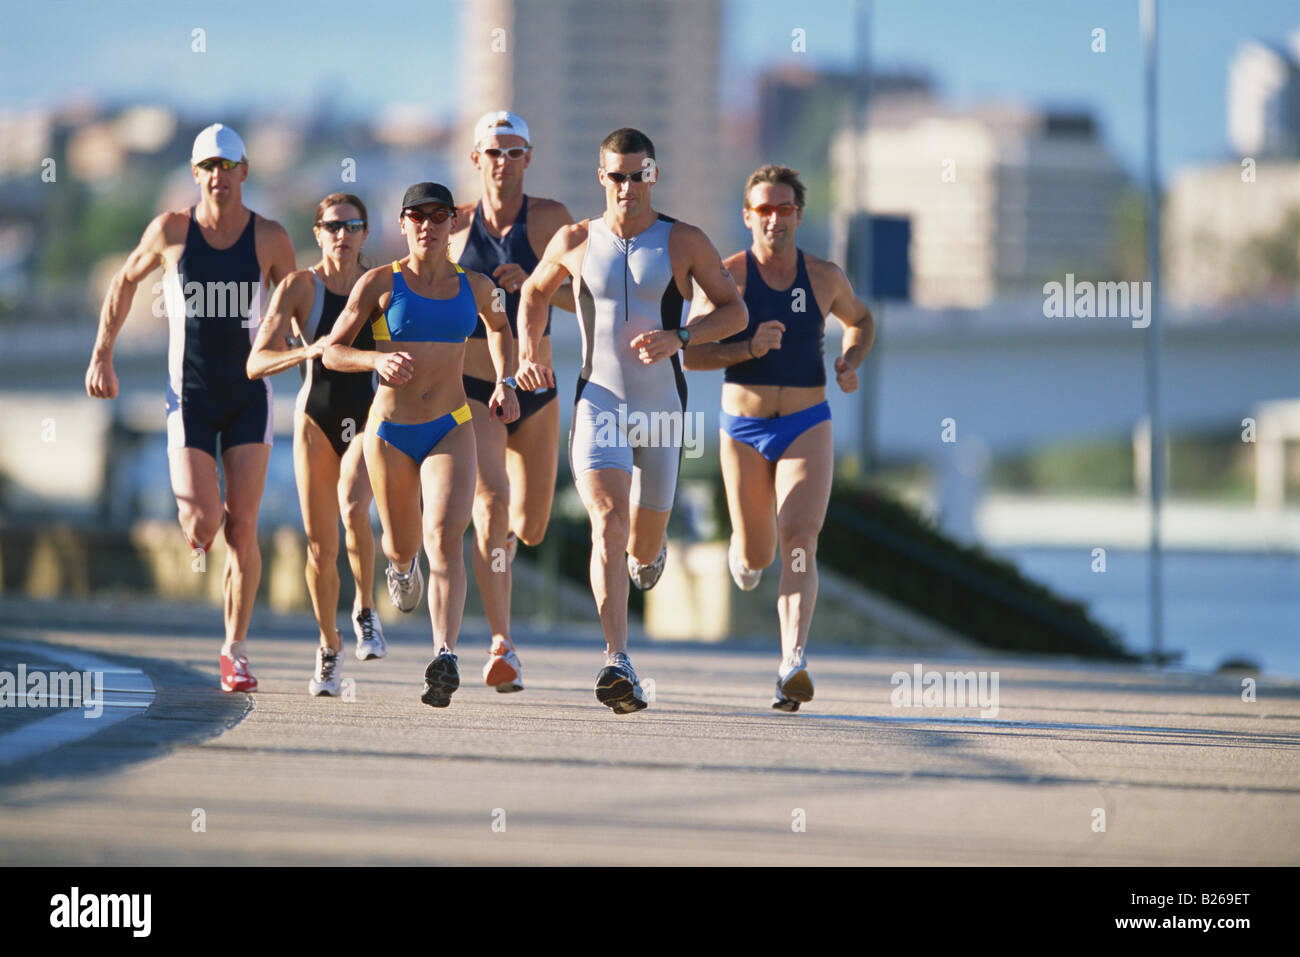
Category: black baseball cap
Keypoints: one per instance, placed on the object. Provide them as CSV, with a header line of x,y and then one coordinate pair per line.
x,y
422,193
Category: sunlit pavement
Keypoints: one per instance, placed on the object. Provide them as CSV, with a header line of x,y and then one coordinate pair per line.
x,y
1082,764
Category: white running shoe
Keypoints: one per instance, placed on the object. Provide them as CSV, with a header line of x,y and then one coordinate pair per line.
x,y
646,577
370,635
326,680
793,684
404,588
746,578
503,670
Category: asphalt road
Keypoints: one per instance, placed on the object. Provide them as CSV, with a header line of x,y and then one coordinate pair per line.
x,y
1176,767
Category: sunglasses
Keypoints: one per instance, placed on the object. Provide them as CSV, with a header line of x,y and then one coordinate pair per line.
x,y
513,152
335,225
640,176
208,165
765,210
439,215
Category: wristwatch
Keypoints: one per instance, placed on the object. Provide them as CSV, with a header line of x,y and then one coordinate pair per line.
x,y
508,381
684,335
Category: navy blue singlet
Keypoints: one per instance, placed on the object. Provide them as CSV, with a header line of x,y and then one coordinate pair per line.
x,y
485,252
214,304
800,360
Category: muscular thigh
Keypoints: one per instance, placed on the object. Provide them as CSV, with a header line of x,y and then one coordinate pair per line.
x,y
803,479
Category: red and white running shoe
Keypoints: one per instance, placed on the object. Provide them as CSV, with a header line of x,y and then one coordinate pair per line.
x,y
235,675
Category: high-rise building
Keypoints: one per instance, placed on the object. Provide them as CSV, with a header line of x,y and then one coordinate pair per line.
x,y
1000,199
576,70
1264,100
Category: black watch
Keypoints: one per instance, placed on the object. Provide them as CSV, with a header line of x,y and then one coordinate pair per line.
x,y
684,335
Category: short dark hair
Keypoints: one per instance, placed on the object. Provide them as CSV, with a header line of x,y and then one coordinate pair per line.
x,y
626,141
782,175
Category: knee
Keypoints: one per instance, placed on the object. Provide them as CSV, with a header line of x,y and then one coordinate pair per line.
x,y
321,555
800,535
491,509
531,531
356,516
757,554
199,525
444,544
610,531
241,537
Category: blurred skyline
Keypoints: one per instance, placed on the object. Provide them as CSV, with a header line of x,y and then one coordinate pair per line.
x,y
285,57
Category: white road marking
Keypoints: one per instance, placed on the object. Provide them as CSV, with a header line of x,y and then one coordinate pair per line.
x,y
126,692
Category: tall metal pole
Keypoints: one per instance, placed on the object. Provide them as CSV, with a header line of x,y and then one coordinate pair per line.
x,y
860,226
1156,446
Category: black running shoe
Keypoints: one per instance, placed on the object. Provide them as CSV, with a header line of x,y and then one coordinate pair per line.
x,y
441,679
617,687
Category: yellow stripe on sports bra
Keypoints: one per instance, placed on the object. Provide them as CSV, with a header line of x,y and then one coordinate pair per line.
x,y
379,328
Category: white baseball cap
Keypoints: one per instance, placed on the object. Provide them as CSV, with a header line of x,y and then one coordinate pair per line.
x,y
500,123
218,140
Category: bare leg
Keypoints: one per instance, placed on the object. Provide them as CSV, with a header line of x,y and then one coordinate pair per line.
x,y
531,456
395,479
448,478
245,468
317,469
354,496
605,493
803,489
751,499
491,521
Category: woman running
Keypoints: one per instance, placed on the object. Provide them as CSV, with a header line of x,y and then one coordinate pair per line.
x,y
418,444
331,409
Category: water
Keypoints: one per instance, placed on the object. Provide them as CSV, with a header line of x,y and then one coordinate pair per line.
x,y
1217,605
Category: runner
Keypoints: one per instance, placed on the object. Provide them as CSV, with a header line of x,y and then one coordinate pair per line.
x,y
777,456
421,309
502,236
332,408
219,259
632,270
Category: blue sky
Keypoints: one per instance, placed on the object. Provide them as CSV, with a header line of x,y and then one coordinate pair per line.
x,y
284,55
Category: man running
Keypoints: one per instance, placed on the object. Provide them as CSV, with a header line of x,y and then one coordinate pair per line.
x,y
502,237
219,260
632,270
777,456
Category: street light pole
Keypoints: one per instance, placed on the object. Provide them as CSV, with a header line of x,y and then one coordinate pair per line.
x,y
1156,446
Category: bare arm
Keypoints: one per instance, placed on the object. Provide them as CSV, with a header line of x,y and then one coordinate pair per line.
x,y
271,354
859,327
501,344
278,252
728,315
101,380
556,266
337,353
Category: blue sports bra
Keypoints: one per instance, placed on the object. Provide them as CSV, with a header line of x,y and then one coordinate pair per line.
x,y
414,318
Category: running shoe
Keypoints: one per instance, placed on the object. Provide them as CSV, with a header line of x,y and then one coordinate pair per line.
x,y
235,675
646,577
793,684
617,687
404,588
326,680
370,635
441,679
503,670
746,578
